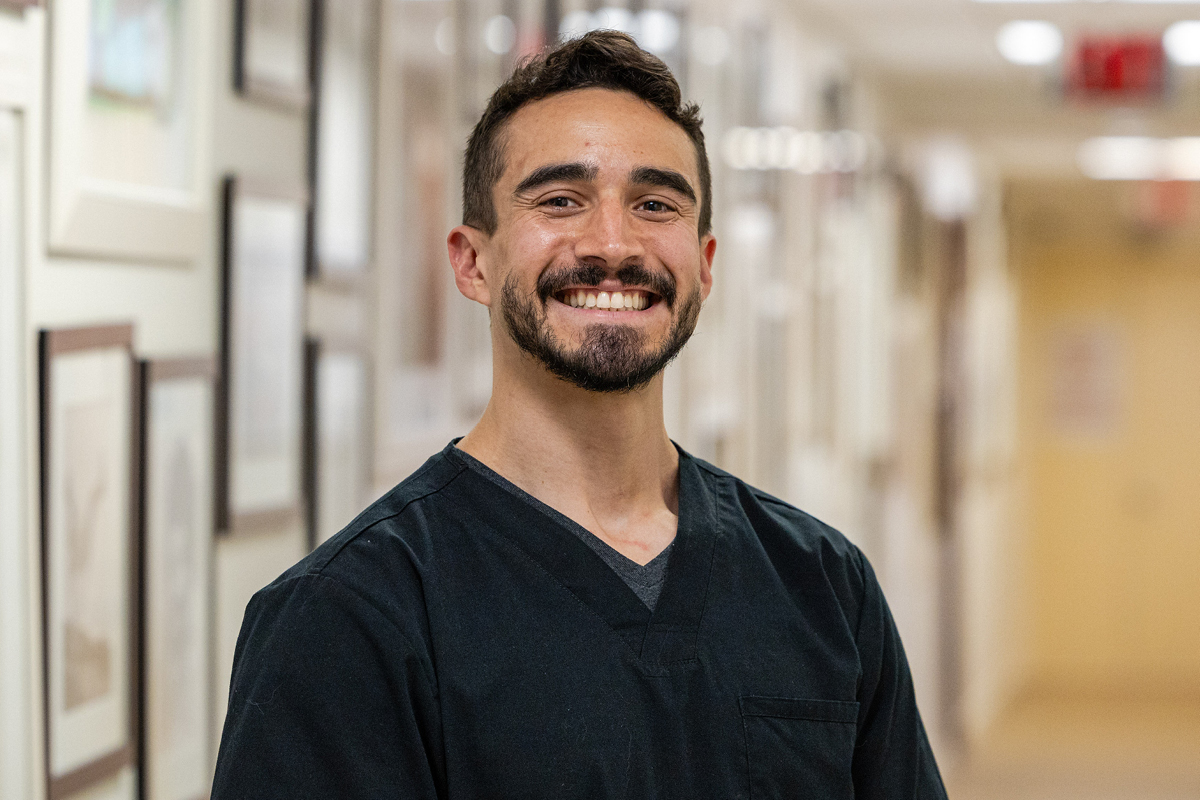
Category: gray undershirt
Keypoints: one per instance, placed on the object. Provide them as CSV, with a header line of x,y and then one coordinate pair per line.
x,y
646,581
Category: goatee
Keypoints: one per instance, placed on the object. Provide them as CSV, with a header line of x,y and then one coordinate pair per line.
x,y
611,357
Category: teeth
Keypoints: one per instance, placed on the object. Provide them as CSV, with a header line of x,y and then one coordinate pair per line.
x,y
612,301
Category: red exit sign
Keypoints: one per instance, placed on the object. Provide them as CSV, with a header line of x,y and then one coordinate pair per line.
x,y
1117,68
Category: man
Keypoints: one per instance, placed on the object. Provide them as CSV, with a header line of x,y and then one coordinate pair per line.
x,y
562,604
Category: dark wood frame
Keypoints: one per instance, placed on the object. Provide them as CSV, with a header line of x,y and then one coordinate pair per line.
x,y
224,519
289,98
151,371
312,445
52,343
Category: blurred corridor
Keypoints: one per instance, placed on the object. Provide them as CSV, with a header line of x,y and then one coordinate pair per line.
x,y
956,315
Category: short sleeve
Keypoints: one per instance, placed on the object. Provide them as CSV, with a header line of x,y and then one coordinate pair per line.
x,y
892,757
328,699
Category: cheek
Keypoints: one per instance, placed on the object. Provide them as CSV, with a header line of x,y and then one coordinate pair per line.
x,y
682,254
537,246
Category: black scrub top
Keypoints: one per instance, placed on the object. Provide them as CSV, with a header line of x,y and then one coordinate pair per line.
x,y
458,640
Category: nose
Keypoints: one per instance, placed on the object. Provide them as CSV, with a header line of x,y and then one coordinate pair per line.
x,y
608,235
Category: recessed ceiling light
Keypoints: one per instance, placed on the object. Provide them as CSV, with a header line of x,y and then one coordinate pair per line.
x,y
1182,43
1029,42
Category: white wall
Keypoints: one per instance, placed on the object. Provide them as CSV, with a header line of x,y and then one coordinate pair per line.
x,y
20,135
174,309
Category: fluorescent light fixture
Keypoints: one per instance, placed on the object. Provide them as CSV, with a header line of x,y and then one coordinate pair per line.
x,y
1181,157
806,152
1029,42
1122,158
1182,43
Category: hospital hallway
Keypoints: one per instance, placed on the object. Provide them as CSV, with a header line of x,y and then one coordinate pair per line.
x,y
955,315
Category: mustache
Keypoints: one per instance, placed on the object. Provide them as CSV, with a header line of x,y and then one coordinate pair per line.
x,y
580,274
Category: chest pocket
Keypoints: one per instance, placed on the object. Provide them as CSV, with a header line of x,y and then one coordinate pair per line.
x,y
799,749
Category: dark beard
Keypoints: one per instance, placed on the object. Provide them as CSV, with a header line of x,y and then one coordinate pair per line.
x,y
611,358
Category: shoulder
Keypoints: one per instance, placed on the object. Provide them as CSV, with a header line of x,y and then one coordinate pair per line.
x,y
797,543
377,563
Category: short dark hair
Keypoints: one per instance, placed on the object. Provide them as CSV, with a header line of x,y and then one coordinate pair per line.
x,y
600,59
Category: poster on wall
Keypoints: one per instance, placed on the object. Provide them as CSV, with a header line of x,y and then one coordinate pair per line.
x,y
271,51
89,553
339,442
177,528
343,134
261,363
126,162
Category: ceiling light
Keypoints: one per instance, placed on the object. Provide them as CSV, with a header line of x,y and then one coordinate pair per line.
x,y
1182,43
1121,158
1182,158
1029,42
499,34
658,31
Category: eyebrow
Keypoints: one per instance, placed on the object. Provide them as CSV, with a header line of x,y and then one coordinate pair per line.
x,y
553,173
666,178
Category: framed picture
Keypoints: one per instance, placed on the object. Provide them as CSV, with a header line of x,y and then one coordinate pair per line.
x,y
89,554
338,440
177,527
343,122
261,361
432,353
271,51
127,162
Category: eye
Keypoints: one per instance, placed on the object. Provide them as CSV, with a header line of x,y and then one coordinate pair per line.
x,y
656,207
558,202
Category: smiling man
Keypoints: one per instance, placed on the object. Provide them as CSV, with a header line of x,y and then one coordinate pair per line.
x,y
563,604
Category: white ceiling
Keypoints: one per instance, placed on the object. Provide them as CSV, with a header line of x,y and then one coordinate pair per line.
x,y
936,64
953,37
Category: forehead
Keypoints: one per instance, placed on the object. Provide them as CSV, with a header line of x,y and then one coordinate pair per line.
x,y
613,130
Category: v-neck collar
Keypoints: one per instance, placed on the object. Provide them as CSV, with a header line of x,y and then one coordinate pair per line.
x,y
660,638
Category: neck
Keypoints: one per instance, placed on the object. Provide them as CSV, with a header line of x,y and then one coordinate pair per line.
x,y
602,459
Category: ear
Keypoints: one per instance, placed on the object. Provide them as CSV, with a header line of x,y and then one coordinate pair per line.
x,y
708,251
466,246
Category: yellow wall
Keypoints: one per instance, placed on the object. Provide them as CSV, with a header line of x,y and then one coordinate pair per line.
x,y
1113,493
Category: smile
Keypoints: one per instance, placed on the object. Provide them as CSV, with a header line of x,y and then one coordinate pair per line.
x,y
630,300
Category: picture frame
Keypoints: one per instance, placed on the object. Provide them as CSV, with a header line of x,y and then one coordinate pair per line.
x,y
345,56
273,52
337,438
178,399
260,367
431,353
127,166
89,516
